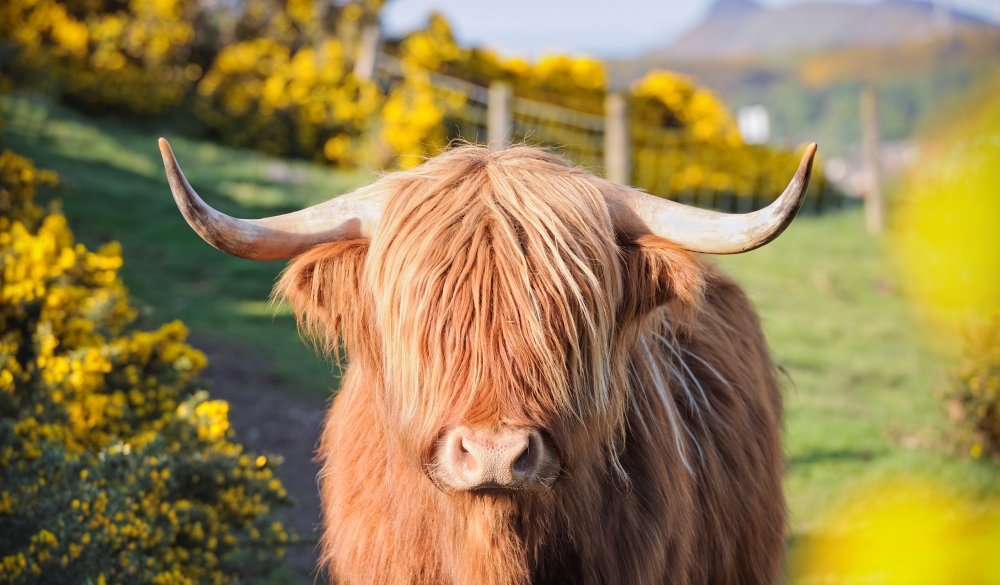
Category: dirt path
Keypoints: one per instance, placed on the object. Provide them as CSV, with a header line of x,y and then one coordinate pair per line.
x,y
271,421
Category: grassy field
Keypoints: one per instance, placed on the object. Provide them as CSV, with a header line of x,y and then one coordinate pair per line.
x,y
859,398
859,401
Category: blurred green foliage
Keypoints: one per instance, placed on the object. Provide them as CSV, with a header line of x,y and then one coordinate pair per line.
x,y
972,397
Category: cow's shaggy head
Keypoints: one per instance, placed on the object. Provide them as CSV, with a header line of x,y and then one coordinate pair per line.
x,y
493,309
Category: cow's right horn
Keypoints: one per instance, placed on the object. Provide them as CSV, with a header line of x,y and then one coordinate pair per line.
x,y
712,232
347,217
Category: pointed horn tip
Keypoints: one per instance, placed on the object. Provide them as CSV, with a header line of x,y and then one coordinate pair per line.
x,y
805,166
169,160
809,153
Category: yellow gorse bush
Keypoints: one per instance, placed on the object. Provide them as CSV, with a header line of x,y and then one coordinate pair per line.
x,y
262,94
285,83
413,117
102,53
688,145
114,468
944,237
565,74
670,100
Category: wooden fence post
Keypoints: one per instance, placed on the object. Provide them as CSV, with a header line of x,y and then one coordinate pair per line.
x,y
364,65
874,204
499,122
617,142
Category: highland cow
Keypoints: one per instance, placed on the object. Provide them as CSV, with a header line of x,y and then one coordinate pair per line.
x,y
545,383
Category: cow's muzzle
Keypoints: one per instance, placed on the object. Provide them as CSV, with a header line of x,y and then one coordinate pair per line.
x,y
469,459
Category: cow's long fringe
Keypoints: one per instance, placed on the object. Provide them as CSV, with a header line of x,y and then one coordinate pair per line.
x,y
497,292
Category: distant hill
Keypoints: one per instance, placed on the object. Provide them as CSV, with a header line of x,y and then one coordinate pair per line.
x,y
806,63
735,29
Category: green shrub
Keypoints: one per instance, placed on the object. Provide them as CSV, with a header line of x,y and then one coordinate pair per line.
x,y
114,466
973,396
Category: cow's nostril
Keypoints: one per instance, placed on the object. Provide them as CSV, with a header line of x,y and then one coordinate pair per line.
x,y
464,458
525,462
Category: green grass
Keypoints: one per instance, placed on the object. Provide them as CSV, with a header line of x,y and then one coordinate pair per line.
x,y
859,392
859,401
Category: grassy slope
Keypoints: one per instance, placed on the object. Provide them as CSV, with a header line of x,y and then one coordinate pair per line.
x,y
114,188
859,399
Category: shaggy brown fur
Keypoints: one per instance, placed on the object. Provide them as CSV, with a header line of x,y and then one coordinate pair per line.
x,y
498,292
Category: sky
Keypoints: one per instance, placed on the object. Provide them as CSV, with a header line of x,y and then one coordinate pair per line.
x,y
610,28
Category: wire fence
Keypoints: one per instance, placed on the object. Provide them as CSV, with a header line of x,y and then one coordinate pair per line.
x,y
576,135
669,163
468,121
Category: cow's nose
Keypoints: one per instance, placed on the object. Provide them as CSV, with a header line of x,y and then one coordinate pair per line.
x,y
470,459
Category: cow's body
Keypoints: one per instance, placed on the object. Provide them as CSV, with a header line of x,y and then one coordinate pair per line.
x,y
722,522
500,291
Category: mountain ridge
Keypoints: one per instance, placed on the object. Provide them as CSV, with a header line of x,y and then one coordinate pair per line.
x,y
742,28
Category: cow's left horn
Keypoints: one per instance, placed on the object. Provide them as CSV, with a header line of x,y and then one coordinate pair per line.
x,y
712,232
347,217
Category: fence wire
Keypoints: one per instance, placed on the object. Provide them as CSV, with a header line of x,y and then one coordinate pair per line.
x,y
668,163
576,135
